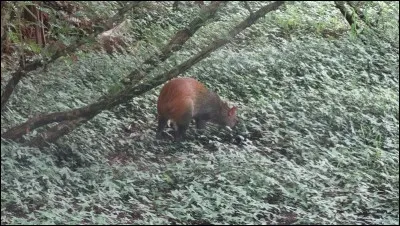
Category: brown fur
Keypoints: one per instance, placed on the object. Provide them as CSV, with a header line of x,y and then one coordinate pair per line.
x,y
184,99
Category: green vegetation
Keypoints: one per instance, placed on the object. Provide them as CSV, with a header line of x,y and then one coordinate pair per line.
x,y
318,140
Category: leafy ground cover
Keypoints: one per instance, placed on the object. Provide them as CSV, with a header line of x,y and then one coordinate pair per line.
x,y
318,140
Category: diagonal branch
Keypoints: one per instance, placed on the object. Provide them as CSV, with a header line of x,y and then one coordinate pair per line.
x,y
41,120
350,16
127,94
21,72
346,13
158,80
176,42
357,10
55,132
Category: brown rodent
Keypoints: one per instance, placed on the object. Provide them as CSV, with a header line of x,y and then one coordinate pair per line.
x,y
184,99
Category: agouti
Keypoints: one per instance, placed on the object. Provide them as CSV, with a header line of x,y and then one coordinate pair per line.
x,y
184,99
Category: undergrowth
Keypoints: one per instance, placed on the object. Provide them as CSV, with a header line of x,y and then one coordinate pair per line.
x,y
317,142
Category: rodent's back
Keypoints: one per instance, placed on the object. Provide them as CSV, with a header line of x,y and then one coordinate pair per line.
x,y
178,95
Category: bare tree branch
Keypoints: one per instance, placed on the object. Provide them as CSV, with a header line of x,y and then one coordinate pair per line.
x,y
357,9
346,13
55,132
41,120
175,43
21,72
111,100
371,25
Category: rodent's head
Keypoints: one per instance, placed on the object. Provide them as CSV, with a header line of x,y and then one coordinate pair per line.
x,y
229,116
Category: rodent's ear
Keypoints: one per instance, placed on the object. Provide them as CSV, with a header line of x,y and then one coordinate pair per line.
x,y
232,111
